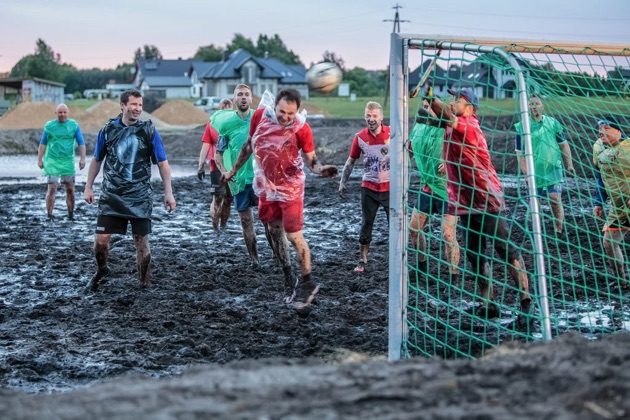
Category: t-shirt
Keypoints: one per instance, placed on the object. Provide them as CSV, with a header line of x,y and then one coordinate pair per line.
x,y
546,136
233,133
59,139
614,165
473,185
278,165
426,143
210,137
375,151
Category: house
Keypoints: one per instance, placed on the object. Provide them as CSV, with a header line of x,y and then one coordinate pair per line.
x,y
164,78
622,75
194,79
31,89
268,73
487,76
114,90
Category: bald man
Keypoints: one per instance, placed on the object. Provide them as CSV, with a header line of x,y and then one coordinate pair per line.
x,y
56,157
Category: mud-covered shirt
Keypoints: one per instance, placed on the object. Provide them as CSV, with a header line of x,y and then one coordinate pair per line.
x,y
426,143
473,185
375,151
210,137
613,163
128,152
59,139
278,166
546,135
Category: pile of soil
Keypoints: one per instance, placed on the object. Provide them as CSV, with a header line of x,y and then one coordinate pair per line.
x,y
180,112
28,115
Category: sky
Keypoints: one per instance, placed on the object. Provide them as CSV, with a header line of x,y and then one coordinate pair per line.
x,y
106,33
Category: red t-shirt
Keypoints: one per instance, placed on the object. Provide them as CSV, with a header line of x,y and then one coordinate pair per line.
x,y
277,153
473,185
375,150
211,137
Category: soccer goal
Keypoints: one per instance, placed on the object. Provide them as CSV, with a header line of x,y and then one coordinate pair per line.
x,y
500,174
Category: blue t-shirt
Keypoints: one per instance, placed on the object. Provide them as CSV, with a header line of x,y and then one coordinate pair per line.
x,y
78,135
159,154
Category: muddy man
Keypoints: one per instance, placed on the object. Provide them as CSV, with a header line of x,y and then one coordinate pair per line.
x,y
127,146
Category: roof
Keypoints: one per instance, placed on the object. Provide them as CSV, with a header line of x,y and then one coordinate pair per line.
x,y
475,73
16,80
270,68
164,67
167,81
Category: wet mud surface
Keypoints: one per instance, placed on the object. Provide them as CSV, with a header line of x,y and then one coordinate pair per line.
x,y
206,303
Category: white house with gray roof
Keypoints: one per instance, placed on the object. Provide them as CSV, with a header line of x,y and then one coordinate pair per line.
x,y
194,79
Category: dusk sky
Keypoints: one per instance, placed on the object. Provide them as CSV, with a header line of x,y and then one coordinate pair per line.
x,y
104,34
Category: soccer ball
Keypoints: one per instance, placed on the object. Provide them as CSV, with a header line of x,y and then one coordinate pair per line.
x,y
323,77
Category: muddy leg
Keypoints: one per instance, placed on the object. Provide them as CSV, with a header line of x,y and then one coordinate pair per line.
x,y
612,247
143,259
225,210
215,210
70,199
249,234
280,245
50,199
101,252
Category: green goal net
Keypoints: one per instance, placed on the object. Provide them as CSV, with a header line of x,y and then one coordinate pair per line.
x,y
500,203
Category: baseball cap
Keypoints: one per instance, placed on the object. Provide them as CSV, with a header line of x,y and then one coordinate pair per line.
x,y
610,122
466,93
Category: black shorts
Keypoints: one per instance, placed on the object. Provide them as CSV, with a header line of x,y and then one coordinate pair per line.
x,y
216,187
113,224
431,203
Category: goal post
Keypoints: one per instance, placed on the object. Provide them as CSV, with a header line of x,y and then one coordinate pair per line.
x,y
438,320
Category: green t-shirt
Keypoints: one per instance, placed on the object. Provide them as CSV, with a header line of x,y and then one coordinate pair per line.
x,y
235,131
59,155
546,152
614,166
426,145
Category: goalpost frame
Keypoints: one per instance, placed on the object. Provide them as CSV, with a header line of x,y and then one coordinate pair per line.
x,y
399,122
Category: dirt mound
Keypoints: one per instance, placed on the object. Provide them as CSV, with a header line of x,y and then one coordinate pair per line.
x,y
180,112
28,115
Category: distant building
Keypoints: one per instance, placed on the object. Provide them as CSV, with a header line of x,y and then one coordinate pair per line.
x,y
194,79
481,75
31,89
114,90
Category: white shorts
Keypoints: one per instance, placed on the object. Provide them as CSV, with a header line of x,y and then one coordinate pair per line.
x,y
61,180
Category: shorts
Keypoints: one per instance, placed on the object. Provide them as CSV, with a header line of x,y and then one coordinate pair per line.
x,y
115,224
430,203
246,198
290,212
61,180
549,189
216,186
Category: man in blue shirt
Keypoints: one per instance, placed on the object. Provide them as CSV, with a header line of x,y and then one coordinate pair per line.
x,y
127,146
55,156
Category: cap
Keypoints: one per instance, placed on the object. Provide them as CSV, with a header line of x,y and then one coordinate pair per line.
x,y
466,93
610,122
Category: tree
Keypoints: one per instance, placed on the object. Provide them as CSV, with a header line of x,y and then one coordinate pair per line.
x,y
44,63
331,57
147,52
209,53
239,41
276,48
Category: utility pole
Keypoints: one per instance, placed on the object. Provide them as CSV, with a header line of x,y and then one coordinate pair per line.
x,y
396,29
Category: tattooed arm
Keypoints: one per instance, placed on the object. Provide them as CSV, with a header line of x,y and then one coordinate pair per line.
x,y
347,170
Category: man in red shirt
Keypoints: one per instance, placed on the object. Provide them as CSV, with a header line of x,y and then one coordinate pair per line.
x,y
277,135
221,196
476,195
373,143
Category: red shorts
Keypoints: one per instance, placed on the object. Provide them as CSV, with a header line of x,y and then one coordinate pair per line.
x,y
290,212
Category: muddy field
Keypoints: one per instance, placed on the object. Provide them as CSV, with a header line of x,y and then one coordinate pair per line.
x,y
207,306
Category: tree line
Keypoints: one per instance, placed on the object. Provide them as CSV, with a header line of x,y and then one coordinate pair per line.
x,y
45,63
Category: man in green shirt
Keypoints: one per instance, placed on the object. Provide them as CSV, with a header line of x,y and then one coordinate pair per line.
x,y
613,163
233,129
549,149
55,156
426,142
